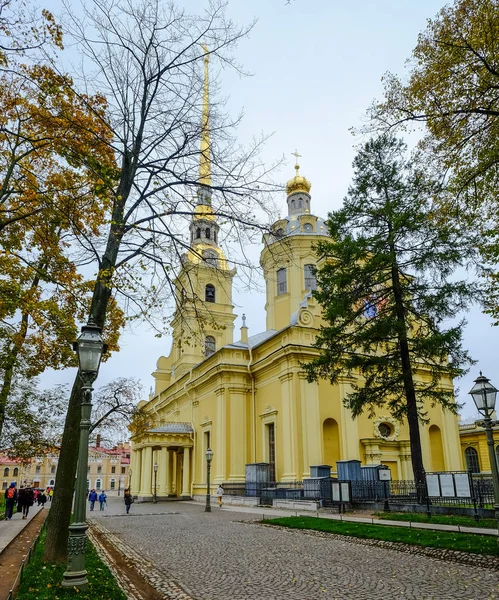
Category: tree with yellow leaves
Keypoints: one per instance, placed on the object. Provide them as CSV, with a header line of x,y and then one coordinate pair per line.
x,y
450,95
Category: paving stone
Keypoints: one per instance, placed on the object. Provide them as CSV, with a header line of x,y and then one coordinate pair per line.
x,y
222,555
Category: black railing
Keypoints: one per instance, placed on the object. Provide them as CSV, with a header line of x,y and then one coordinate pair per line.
x,y
389,492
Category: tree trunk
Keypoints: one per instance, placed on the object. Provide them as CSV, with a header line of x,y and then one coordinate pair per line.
x,y
60,511
10,362
410,391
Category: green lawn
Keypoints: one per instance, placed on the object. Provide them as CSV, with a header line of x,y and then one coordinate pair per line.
x,y
478,544
42,581
439,519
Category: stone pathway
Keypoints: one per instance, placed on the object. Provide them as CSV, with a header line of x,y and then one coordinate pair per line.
x,y
223,555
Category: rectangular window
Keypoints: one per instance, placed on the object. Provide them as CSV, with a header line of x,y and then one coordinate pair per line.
x,y
282,285
271,449
113,483
99,469
122,470
310,280
113,469
37,469
207,441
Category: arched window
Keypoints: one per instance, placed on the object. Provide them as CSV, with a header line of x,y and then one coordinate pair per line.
x,y
300,203
198,232
214,235
6,472
207,233
98,484
279,233
282,284
310,281
113,483
209,293
293,203
471,458
16,472
209,345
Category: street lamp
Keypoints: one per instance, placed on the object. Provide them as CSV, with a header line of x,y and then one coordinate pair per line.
x,y
209,458
90,348
130,481
484,395
155,467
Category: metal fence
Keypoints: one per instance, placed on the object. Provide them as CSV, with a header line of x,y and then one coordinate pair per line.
x,y
392,492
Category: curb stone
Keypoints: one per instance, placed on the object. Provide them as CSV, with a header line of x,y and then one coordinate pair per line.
x,y
157,578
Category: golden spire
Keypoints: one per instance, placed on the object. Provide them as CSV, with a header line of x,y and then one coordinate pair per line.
x,y
205,158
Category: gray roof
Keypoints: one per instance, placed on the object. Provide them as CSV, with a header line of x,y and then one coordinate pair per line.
x,y
254,340
173,428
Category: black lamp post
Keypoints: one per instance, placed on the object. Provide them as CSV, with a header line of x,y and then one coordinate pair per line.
x,y
209,458
155,467
130,481
90,348
484,395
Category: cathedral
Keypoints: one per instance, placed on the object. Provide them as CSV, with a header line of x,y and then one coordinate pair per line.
x,y
248,400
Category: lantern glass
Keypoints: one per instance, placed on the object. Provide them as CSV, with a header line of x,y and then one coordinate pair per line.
x,y
209,455
155,467
90,348
484,395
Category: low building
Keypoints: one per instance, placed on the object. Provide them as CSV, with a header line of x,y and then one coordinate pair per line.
x,y
108,469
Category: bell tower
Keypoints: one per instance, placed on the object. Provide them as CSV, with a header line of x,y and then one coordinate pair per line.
x,y
204,317
288,259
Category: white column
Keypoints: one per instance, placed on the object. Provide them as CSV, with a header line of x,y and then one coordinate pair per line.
x,y
186,474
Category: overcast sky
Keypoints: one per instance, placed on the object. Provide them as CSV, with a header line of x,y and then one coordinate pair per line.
x,y
316,65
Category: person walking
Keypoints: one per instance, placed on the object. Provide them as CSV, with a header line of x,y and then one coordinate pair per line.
x,y
42,498
220,494
10,500
92,498
102,500
26,499
127,497
51,493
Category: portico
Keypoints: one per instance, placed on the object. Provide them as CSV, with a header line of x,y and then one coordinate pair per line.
x,y
169,446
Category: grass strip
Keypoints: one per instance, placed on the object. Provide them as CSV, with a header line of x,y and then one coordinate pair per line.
x,y
43,580
463,521
461,542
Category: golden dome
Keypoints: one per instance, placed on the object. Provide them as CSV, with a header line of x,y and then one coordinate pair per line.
x,y
298,183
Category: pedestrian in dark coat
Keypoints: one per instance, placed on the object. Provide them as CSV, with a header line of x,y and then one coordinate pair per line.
x,y
28,501
10,501
128,501
42,499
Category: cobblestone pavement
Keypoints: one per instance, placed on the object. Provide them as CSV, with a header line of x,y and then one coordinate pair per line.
x,y
223,556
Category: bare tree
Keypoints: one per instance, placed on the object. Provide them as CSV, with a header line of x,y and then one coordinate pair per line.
x,y
147,59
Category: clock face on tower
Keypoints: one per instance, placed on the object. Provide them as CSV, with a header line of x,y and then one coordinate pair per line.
x,y
308,228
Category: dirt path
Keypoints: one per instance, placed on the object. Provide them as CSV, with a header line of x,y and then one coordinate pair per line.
x,y
130,580
13,555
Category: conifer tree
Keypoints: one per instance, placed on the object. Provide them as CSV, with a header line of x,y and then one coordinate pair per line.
x,y
386,285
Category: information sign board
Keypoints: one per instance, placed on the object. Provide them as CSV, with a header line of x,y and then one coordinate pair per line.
x,y
462,482
433,486
447,484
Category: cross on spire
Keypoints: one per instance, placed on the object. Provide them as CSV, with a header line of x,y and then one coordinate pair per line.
x,y
296,155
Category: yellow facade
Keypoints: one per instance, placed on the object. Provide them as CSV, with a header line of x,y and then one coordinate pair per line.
x,y
474,448
249,400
